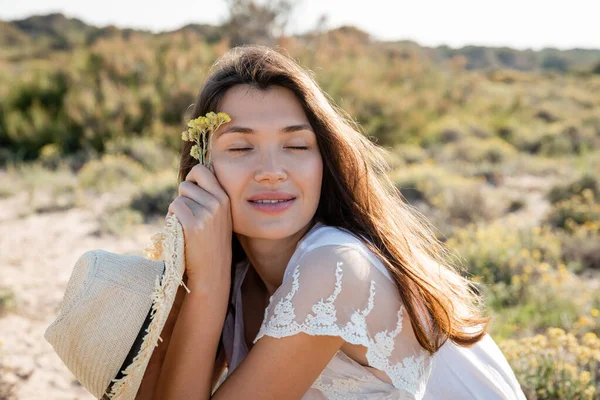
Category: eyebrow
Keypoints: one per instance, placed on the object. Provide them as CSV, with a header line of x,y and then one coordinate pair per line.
x,y
250,131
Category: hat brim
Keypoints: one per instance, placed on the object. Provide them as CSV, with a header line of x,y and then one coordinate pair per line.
x,y
135,349
127,382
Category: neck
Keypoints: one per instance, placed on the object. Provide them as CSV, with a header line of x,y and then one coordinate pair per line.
x,y
270,257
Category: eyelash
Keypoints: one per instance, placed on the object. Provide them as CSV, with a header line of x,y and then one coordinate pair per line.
x,y
289,147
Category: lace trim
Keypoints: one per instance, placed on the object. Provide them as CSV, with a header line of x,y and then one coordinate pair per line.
x,y
342,388
404,374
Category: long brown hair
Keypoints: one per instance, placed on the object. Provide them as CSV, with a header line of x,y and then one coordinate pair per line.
x,y
357,195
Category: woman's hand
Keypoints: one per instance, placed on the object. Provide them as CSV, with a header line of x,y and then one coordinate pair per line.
x,y
204,212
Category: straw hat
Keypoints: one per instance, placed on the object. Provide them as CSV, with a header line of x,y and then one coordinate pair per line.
x,y
113,311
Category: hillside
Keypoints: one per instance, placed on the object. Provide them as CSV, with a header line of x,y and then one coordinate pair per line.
x,y
62,33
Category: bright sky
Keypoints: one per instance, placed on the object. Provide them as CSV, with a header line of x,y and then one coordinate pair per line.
x,y
514,23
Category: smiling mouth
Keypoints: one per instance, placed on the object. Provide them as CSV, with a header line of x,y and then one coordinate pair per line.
x,y
270,201
272,206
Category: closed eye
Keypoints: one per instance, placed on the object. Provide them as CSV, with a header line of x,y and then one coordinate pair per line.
x,y
289,147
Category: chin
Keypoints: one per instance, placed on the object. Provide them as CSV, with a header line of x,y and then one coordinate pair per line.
x,y
273,229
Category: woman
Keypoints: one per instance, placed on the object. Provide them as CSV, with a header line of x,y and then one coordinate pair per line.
x,y
300,254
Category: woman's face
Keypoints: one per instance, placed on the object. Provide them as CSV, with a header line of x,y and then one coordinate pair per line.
x,y
267,152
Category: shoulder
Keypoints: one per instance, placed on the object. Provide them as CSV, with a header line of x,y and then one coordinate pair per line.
x,y
326,246
335,290
325,269
323,234
328,286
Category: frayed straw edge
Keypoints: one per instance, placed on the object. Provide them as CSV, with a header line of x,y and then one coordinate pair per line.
x,y
164,242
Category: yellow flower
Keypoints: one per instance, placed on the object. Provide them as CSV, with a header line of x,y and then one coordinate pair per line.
x,y
595,312
195,152
540,341
555,332
524,252
591,340
224,118
584,321
200,130
544,267
584,377
211,120
199,124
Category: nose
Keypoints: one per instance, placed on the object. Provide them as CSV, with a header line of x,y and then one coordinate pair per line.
x,y
270,168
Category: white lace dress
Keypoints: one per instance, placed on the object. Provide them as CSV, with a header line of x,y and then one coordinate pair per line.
x,y
334,285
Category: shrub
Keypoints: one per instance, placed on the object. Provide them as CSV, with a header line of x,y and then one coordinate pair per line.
x,y
556,365
531,304
577,210
110,172
408,154
155,196
569,140
581,246
147,152
7,300
50,156
499,251
449,199
47,190
445,130
564,192
119,221
473,150
517,204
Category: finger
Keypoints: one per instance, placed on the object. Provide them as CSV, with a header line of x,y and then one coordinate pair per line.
x,y
197,209
180,209
204,178
191,190
187,210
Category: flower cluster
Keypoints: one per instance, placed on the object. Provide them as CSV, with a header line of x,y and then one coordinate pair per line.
x,y
582,209
501,252
200,130
556,365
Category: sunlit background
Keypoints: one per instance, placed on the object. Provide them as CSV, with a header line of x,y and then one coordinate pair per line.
x,y
490,112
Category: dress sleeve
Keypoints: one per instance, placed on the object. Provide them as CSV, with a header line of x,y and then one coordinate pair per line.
x,y
335,290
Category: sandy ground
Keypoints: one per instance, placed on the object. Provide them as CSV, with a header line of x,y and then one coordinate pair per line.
x,y
37,255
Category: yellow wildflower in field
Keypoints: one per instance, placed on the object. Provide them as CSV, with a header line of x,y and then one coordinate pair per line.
x,y
200,130
584,321
524,252
556,365
591,340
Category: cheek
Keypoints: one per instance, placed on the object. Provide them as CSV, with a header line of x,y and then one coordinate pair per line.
x,y
312,174
229,177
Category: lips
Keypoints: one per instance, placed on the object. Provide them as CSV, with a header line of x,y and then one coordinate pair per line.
x,y
271,195
275,208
